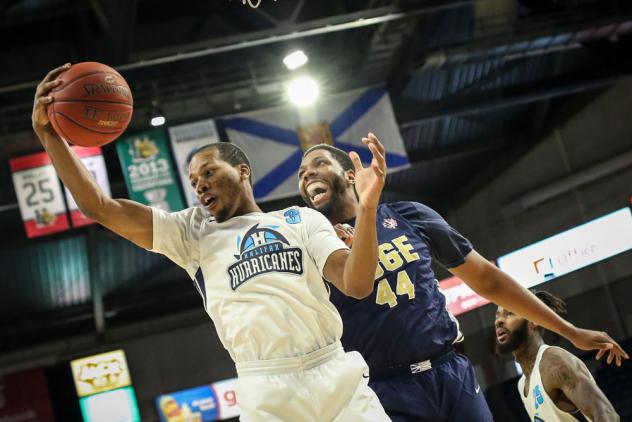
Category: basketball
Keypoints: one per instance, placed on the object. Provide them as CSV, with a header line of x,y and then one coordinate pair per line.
x,y
92,106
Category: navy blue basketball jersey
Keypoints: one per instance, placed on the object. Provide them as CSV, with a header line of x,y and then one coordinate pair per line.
x,y
405,319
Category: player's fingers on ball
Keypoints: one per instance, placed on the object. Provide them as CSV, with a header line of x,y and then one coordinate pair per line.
x,y
355,159
47,86
56,71
46,99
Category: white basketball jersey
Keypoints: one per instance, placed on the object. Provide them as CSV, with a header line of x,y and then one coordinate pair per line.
x,y
260,277
538,404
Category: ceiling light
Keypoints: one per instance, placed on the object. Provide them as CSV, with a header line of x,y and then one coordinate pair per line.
x,y
157,120
303,91
295,59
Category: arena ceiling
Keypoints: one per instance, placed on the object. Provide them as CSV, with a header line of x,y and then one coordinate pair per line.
x,y
474,85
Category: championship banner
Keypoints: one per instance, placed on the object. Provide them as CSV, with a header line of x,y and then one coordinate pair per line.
x,y
201,404
459,297
92,158
24,398
184,140
148,170
100,373
275,139
39,195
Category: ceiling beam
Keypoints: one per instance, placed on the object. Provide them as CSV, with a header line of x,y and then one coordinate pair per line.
x,y
412,112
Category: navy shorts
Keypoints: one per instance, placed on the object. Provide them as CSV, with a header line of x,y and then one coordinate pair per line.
x,y
447,392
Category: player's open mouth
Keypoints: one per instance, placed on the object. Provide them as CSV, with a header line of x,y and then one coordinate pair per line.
x,y
501,335
209,201
318,192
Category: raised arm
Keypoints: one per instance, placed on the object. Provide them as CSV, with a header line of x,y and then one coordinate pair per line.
x,y
490,282
127,218
353,273
565,372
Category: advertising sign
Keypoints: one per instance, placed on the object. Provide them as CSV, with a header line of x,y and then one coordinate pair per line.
x,y
199,404
460,298
113,406
100,373
571,250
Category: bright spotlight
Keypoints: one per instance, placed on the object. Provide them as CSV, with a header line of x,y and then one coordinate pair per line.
x,y
295,59
157,120
303,91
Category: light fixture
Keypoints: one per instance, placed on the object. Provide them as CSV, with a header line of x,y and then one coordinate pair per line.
x,y
295,59
303,91
156,115
157,120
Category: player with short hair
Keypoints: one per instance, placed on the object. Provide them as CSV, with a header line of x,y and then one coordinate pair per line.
x,y
260,275
555,384
404,330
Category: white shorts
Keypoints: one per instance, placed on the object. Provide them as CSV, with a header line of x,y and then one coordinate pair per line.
x,y
325,385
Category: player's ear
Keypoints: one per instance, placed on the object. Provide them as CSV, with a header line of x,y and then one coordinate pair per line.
x,y
244,171
350,177
533,326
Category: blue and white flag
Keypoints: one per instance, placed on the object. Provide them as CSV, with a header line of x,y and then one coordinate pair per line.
x,y
274,139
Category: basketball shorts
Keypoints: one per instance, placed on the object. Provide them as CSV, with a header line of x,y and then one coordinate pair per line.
x,y
325,385
447,391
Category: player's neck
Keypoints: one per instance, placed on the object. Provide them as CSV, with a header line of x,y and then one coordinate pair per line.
x,y
525,355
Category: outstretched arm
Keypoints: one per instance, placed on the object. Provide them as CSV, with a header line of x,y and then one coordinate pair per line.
x,y
127,218
490,282
353,273
565,372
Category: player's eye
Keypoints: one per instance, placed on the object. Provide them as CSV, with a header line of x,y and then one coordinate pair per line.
x,y
208,173
193,184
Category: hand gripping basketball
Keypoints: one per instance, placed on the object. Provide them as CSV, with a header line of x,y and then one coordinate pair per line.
x,y
88,104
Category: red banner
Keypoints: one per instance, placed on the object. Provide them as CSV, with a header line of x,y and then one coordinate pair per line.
x,y
92,158
460,298
39,195
24,398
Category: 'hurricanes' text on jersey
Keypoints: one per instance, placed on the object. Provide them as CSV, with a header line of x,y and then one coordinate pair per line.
x,y
259,275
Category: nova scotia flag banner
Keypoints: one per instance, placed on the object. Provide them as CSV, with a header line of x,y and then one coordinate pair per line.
x,y
274,139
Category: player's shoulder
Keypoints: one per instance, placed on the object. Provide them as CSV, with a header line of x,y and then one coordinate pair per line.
x,y
557,365
413,209
297,214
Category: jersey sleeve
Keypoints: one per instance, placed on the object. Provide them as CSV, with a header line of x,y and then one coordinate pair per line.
x,y
447,245
320,237
176,236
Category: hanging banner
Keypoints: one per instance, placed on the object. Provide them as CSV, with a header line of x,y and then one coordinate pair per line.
x,y
92,158
39,195
148,170
201,404
275,139
184,140
24,398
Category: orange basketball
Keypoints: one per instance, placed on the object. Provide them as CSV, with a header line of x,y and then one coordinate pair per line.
x,y
92,106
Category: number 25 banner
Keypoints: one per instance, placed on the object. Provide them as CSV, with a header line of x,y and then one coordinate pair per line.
x,y
39,194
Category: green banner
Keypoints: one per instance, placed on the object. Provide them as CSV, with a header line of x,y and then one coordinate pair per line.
x,y
148,170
